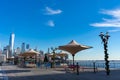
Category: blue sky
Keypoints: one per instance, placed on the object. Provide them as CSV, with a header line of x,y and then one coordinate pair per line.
x,y
46,23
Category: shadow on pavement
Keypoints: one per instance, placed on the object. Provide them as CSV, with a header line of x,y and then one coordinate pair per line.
x,y
46,77
16,71
68,76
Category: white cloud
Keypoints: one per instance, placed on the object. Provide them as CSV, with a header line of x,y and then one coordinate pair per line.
x,y
51,23
114,22
113,30
50,11
115,13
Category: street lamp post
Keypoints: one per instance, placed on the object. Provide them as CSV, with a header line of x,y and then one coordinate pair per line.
x,y
105,38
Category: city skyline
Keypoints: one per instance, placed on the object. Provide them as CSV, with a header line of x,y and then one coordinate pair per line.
x,y
51,23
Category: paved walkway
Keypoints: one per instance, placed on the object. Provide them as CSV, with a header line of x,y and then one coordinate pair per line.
x,y
15,73
3,75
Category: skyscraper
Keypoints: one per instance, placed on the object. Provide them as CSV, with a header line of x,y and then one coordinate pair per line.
x,y
11,43
23,48
6,51
27,46
18,51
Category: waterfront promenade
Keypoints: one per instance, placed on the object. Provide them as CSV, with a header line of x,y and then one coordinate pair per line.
x,y
13,72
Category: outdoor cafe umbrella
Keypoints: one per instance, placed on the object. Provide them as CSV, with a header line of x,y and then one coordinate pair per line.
x,y
62,54
73,47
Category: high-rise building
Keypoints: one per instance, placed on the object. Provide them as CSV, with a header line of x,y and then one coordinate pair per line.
x,y
23,48
18,51
6,51
27,46
11,43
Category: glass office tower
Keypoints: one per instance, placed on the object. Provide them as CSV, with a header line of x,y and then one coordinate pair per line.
x,y
11,43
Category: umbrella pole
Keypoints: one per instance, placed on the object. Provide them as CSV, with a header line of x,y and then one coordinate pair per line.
x,y
73,58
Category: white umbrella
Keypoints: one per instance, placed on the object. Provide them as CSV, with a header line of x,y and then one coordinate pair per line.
x,y
73,47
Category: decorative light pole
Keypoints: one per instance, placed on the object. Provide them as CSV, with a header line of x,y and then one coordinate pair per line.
x,y
105,38
53,51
